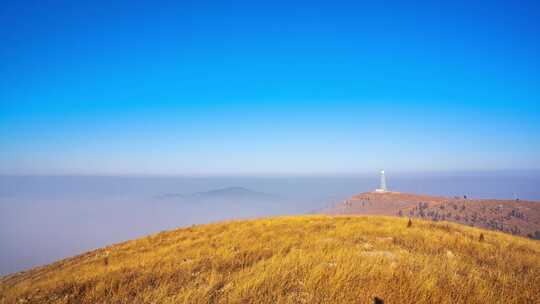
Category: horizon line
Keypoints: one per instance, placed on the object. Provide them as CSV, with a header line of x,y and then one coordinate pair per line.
x,y
276,175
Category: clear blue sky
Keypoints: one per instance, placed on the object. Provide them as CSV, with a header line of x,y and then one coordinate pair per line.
x,y
268,87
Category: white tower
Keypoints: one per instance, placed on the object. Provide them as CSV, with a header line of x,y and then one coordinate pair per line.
x,y
382,187
383,181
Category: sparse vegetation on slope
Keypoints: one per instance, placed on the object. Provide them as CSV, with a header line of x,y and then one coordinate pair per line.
x,y
511,216
305,259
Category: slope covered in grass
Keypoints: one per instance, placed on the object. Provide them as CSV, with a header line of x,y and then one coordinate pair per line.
x,y
305,259
517,217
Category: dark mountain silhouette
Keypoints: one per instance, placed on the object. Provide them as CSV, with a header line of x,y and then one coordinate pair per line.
x,y
232,192
228,193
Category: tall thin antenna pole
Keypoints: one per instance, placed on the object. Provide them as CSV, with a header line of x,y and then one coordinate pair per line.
x,y
383,181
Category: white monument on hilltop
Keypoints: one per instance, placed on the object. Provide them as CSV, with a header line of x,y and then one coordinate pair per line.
x,y
382,187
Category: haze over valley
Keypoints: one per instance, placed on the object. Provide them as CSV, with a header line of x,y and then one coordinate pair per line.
x,y
43,219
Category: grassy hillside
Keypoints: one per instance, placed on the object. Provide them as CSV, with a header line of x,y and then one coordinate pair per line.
x,y
511,216
305,259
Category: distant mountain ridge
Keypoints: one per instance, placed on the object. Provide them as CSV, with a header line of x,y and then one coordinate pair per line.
x,y
224,193
230,191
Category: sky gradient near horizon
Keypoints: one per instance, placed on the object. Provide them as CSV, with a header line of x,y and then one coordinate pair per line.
x,y
249,87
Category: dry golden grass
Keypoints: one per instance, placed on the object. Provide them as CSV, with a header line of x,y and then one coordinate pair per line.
x,y
304,259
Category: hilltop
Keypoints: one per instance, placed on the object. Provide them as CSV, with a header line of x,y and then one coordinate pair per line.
x,y
303,259
511,216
